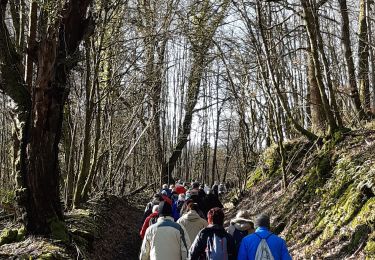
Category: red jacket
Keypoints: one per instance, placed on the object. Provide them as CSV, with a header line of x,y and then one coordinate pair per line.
x,y
166,199
146,224
180,190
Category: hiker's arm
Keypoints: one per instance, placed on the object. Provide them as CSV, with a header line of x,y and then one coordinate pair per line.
x,y
197,248
242,252
285,253
185,248
145,249
144,228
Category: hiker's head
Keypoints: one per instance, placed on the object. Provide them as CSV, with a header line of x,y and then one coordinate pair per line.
x,y
165,209
157,196
215,216
194,192
193,206
181,197
243,217
262,220
156,199
165,186
195,185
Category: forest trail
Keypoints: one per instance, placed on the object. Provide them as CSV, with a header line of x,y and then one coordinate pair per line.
x,y
119,237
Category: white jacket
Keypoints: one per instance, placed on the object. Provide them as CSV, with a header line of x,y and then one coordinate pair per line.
x,y
193,223
165,240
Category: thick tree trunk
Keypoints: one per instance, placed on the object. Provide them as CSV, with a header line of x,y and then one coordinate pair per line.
x,y
42,170
316,107
41,114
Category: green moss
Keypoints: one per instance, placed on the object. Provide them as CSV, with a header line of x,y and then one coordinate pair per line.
x,y
358,237
370,249
8,236
255,177
46,256
271,158
7,196
59,230
331,142
366,215
21,234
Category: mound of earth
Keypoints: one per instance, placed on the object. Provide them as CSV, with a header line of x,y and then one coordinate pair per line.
x,y
106,228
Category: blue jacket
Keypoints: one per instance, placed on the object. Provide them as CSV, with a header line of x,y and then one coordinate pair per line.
x,y
250,244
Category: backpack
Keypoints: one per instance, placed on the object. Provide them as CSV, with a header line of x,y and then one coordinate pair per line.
x,y
217,248
263,250
238,235
153,220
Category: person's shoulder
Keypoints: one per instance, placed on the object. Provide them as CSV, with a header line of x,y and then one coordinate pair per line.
x,y
183,218
249,238
206,231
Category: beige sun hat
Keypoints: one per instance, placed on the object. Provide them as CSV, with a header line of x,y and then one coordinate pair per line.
x,y
242,216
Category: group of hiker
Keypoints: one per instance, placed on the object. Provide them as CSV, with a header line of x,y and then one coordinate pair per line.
x,y
187,222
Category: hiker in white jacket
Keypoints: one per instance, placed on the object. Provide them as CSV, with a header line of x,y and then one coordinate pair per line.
x,y
166,239
192,222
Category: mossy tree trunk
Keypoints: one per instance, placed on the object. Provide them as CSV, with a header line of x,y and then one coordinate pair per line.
x,y
41,112
318,120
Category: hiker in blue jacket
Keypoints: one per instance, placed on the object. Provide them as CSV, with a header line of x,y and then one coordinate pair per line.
x,y
249,244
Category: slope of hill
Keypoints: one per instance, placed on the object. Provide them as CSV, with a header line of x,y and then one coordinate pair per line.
x,y
328,209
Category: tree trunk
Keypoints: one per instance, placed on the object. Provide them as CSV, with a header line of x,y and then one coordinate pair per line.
x,y
372,54
201,41
316,107
41,116
346,42
89,110
31,42
69,182
363,57
312,30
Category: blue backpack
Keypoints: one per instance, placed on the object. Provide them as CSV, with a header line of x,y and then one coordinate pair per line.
x,y
217,248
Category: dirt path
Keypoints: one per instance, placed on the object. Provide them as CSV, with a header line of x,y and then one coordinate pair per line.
x,y
119,238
